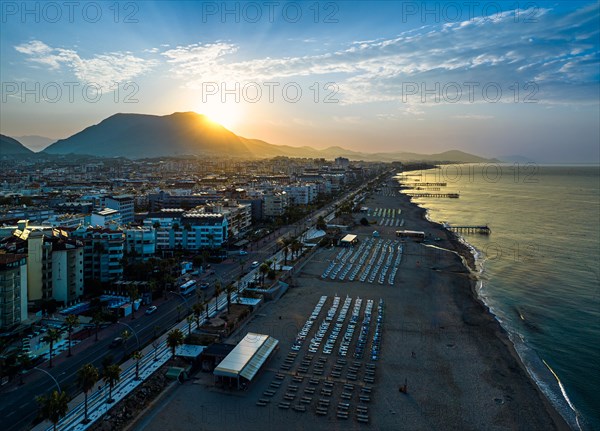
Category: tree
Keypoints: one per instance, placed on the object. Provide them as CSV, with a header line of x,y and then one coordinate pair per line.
x,y
51,337
229,289
197,309
72,321
97,320
87,376
174,339
284,244
296,247
112,374
54,407
190,320
264,269
137,355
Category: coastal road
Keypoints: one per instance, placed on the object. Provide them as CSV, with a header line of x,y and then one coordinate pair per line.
x,y
18,407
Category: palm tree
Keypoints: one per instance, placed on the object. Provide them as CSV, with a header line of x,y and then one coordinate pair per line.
x,y
197,309
72,321
112,374
87,376
264,268
284,243
190,320
296,246
54,407
229,289
52,336
97,321
137,355
174,339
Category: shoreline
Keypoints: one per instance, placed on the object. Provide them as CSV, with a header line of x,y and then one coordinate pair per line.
x,y
469,261
462,369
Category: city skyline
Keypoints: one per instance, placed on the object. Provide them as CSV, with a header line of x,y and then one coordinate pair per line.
x,y
484,78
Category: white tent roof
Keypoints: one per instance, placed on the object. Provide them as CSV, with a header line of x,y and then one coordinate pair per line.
x,y
247,357
349,238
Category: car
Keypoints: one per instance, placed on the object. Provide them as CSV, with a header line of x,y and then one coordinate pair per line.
x,y
254,264
243,253
116,342
204,285
151,309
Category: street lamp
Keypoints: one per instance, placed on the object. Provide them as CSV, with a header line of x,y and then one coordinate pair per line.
x,y
134,333
51,376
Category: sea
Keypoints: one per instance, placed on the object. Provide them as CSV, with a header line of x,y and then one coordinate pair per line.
x,y
538,269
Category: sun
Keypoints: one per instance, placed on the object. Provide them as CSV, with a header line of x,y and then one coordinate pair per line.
x,y
226,114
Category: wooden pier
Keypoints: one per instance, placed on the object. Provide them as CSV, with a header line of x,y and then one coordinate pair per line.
x,y
430,184
435,195
483,230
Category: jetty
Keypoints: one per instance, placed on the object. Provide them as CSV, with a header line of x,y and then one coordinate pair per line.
x,y
483,229
435,195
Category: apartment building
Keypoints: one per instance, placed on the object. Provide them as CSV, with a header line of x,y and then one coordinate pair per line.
x,y
103,251
13,290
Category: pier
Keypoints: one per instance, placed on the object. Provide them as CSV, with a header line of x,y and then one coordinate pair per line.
x,y
483,230
435,195
430,184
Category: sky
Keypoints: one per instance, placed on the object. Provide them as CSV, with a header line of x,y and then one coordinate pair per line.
x,y
492,78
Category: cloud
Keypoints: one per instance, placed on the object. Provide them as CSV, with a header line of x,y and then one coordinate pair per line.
x,y
473,117
102,69
557,52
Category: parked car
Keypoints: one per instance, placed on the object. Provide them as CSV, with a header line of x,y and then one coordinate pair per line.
x,y
254,264
151,309
243,253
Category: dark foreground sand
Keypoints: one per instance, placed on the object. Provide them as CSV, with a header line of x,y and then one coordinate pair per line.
x,y
464,374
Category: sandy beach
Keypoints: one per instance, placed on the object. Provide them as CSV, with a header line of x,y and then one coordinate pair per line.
x,y
462,371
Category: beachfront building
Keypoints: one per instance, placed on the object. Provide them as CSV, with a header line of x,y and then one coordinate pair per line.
x,y
13,290
67,270
54,262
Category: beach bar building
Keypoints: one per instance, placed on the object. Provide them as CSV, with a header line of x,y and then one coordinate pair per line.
x,y
246,359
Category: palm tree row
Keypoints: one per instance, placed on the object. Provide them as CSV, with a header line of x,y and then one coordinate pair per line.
x,y
54,406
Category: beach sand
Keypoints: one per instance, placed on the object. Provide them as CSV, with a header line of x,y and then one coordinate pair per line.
x,y
462,371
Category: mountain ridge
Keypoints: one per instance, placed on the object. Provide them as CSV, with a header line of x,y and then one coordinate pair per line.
x,y
11,147
139,136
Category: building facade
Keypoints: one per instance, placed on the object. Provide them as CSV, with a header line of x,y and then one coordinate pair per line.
x,y
13,290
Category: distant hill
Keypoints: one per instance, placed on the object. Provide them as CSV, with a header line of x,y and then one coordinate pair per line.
x,y
12,147
35,142
187,133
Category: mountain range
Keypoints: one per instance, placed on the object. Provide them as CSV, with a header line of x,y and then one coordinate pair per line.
x,y
12,147
139,136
